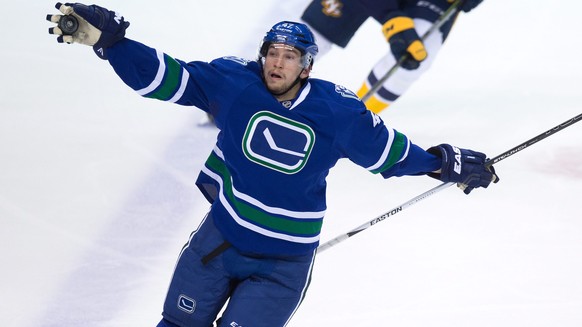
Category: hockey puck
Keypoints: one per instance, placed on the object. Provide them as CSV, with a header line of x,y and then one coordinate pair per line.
x,y
68,24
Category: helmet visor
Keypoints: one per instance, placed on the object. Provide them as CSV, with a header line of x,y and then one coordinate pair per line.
x,y
289,53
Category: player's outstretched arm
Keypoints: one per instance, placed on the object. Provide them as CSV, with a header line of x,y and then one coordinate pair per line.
x,y
90,25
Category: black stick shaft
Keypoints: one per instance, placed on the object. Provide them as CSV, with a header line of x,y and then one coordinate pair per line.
x,y
533,140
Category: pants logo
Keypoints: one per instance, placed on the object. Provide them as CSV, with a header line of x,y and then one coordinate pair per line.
x,y
186,304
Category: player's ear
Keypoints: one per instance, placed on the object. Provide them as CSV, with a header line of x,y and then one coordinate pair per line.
x,y
305,72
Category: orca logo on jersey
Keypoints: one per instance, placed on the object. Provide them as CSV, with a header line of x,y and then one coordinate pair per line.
x,y
345,92
239,60
277,142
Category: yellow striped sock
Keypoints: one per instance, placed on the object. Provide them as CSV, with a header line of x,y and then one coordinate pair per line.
x,y
373,104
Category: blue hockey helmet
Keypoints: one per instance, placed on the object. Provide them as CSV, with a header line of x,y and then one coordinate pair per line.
x,y
293,34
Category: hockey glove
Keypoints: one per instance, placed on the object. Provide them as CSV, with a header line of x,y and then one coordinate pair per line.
x,y
468,5
404,41
90,25
464,167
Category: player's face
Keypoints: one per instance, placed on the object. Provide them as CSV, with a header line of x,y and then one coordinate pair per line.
x,y
282,66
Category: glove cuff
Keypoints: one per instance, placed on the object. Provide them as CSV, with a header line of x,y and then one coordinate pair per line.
x,y
439,152
110,25
100,51
396,23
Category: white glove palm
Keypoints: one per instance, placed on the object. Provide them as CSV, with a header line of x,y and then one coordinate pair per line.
x,y
91,25
85,33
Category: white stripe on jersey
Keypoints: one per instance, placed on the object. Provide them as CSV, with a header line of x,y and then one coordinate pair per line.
x,y
159,76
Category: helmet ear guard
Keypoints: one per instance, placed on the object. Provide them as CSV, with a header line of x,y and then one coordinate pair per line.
x,y
307,60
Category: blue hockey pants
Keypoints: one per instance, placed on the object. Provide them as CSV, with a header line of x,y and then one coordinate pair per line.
x,y
261,291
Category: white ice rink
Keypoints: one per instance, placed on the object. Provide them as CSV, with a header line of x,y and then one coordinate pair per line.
x,y
97,191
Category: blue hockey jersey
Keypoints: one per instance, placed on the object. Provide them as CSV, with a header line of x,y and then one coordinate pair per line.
x,y
266,177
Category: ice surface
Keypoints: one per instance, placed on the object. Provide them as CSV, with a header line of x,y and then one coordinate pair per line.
x,y
97,190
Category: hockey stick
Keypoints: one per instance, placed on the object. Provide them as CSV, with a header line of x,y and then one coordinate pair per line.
x,y
452,10
441,187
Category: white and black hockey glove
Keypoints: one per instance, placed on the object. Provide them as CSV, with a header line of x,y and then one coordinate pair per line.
x,y
90,25
464,167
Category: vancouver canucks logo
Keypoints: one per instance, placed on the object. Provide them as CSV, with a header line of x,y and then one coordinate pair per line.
x,y
239,60
186,304
344,92
277,142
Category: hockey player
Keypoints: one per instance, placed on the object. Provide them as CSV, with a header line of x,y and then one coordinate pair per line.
x,y
403,22
280,133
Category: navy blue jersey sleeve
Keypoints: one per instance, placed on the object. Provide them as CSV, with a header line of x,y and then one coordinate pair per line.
x,y
154,74
417,162
368,142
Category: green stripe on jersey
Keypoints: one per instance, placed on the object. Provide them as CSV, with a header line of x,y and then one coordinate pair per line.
x,y
254,215
171,81
396,149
